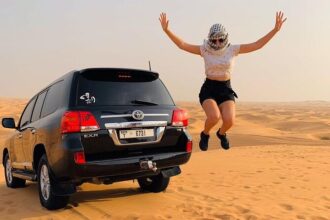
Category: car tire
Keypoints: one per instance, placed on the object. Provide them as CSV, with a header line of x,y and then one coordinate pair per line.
x,y
46,187
154,184
12,182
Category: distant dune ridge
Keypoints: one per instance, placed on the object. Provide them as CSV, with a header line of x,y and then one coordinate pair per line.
x,y
298,123
278,168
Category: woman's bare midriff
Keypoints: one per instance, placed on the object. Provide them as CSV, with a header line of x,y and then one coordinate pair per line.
x,y
218,78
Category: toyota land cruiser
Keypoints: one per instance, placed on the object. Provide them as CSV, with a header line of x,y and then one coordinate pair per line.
x,y
99,125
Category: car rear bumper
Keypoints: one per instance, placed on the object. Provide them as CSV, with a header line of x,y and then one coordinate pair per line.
x,y
124,166
115,162
121,168
110,171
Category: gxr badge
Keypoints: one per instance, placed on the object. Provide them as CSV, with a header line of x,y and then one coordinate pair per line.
x,y
138,114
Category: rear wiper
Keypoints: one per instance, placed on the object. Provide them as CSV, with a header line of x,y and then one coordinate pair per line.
x,y
143,102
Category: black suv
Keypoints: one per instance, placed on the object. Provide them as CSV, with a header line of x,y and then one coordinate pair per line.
x,y
99,125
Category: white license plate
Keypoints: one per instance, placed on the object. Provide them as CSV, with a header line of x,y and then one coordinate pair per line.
x,y
137,133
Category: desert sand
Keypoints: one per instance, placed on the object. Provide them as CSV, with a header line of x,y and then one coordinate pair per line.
x,y
278,168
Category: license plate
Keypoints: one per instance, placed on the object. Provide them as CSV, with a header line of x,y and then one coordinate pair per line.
x,y
137,133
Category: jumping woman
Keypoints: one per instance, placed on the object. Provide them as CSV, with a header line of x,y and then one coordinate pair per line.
x,y
216,95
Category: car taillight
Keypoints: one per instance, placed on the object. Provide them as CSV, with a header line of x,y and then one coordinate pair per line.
x,y
70,122
78,121
180,118
88,122
189,146
79,157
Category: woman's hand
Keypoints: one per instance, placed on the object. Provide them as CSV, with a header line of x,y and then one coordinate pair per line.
x,y
180,43
279,21
247,48
163,21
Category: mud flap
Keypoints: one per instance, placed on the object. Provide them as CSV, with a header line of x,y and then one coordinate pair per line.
x,y
64,189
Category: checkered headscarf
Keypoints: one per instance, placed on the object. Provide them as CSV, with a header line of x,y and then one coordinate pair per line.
x,y
217,31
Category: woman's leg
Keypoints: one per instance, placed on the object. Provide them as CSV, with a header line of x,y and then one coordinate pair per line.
x,y
212,114
227,110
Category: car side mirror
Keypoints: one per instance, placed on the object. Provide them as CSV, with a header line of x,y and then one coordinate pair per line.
x,y
8,123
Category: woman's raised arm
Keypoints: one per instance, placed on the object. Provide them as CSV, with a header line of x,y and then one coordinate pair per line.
x,y
247,48
179,42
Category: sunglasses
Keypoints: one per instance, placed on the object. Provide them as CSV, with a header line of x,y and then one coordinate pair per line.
x,y
220,40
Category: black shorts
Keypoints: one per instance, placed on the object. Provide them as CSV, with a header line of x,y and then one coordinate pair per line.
x,y
219,91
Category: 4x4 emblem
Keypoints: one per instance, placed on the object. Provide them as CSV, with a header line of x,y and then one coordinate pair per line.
x,y
138,114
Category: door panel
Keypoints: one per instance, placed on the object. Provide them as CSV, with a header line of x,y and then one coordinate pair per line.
x,y
19,151
17,154
28,141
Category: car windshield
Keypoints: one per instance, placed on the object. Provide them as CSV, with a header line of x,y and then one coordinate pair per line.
x,y
118,87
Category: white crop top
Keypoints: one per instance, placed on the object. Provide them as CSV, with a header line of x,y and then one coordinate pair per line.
x,y
219,64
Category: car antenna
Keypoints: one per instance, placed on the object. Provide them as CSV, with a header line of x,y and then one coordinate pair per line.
x,y
149,66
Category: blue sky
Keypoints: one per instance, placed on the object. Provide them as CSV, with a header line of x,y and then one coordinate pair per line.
x,y
42,40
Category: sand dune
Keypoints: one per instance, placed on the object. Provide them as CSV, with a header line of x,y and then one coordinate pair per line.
x,y
278,168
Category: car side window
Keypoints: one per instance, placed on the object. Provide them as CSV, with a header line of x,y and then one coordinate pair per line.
x,y
26,116
38,106
53,99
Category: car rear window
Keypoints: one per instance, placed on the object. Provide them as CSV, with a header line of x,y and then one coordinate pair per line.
x,y
121,87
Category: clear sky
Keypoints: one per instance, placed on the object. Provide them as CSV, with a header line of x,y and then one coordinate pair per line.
x,y
43,39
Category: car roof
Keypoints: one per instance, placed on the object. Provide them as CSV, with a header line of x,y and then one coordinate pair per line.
x,y
97,69
114,69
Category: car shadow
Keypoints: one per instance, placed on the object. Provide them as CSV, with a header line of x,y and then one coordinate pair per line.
x,y
28,196
103,195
